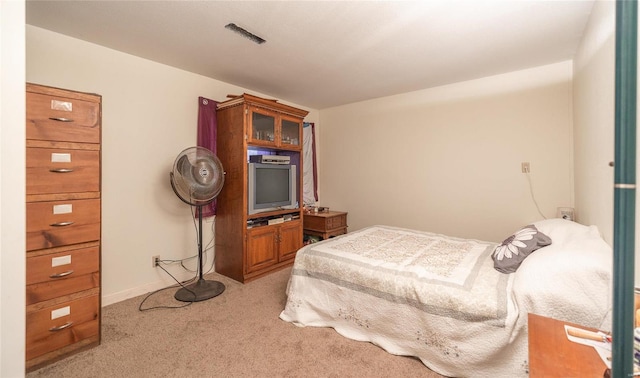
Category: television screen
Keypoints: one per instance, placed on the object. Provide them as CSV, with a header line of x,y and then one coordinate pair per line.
x,y
271,187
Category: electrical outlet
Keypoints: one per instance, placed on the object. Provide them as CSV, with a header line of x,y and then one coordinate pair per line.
x,y
155,261
526,168
566,213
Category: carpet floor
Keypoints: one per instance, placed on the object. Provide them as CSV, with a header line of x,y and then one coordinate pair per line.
x,y
236,334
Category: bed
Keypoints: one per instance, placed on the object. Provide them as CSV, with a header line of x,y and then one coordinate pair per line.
x,y
443,299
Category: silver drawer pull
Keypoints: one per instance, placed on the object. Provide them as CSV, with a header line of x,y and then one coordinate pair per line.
x,y
60,328
60,275
61,119
61,170
61,224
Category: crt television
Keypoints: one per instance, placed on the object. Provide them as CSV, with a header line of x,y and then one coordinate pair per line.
x,y
271,187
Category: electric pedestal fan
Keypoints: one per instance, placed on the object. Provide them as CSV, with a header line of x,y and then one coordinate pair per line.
x,y
197,179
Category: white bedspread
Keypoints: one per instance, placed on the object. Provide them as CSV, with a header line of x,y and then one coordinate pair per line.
x,y
419,294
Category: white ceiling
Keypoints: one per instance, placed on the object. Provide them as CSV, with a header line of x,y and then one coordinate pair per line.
x,y
326,53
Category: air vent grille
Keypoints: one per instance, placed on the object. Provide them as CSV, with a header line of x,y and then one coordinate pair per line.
x,y
243,32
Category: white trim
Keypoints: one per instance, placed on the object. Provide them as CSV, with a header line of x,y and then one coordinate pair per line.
x,y
144,289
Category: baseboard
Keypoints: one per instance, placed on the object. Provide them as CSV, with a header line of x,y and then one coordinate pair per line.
x,y
144,289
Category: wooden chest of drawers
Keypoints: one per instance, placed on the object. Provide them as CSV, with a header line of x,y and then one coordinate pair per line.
x,y
63,223
325,224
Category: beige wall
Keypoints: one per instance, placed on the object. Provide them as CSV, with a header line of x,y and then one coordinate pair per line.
x,y
594,88
594,82
149,115
448,159
12,189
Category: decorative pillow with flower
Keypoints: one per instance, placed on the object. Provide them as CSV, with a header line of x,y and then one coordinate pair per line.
x,y
508,256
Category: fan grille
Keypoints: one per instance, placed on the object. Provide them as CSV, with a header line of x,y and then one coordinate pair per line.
x,y
197,176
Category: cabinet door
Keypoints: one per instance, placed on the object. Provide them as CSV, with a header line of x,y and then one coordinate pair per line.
x,y
290,239
290,132
262,127
261,248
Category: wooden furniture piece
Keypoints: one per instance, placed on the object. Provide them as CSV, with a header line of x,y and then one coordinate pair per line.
x,y
552,354
325,224
247,247
63,131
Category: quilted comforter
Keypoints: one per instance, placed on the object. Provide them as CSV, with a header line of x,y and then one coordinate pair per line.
x,y
439,298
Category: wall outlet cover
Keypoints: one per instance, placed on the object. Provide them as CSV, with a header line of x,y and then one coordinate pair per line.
x,y
566,213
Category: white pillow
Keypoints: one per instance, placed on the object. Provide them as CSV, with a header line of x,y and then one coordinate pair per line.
x,y
561,230
570,279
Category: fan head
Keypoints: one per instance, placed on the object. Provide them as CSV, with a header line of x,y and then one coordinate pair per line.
x,y
197,176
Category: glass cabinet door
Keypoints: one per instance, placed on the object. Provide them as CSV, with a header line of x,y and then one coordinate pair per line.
x,y
263,127
290,133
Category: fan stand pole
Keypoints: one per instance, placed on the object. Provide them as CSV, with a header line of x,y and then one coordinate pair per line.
x,y
202,289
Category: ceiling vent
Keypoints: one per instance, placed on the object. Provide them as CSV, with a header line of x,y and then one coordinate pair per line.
x,y
248,35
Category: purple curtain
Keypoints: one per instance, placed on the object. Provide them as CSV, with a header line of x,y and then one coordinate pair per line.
x,y
207,135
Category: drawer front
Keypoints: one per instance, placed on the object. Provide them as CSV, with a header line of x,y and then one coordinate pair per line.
x,y
314,222
58,223
51,170
58,326
337,222
58,274
44,291
56,118
56,266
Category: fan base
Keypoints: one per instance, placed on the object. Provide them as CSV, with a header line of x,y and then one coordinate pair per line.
x,y
200,291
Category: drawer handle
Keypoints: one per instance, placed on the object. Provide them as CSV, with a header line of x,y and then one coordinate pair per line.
x,y
61,224
60,275
60,328
61,170
61,119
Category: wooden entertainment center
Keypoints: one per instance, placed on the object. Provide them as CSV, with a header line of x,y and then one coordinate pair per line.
x,y
249,246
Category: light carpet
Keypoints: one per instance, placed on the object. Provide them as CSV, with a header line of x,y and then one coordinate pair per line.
x,y
237,334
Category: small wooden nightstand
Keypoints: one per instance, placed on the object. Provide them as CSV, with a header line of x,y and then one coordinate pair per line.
x,y
325,224
551,354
